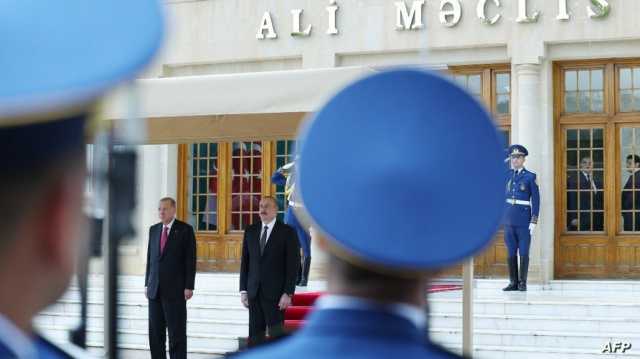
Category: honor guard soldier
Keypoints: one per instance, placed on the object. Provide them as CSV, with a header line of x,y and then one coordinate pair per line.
x,y
286,176
58,59
393,218
521,217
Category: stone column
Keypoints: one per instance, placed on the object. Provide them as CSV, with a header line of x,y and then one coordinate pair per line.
x,y
532,127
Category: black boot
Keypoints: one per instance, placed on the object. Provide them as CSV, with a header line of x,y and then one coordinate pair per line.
x,y
306,265
524,270
512,262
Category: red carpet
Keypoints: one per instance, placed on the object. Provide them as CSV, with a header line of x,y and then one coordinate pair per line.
x,y
302,305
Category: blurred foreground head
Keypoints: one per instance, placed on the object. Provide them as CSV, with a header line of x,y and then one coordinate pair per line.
x,y
403,205
57,61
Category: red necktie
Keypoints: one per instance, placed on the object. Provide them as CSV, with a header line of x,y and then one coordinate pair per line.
x,y
163,238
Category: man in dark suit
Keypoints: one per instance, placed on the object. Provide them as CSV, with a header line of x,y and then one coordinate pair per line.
x,y
169,281
631,195
590,191
270,261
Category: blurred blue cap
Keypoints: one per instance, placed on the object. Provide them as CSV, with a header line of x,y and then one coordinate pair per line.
x,y
59,57
403,170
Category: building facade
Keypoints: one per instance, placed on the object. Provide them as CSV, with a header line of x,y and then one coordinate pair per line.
x,y
236,79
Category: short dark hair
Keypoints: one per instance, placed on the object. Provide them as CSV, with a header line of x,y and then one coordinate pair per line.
x,y
170,200
636,158
21,189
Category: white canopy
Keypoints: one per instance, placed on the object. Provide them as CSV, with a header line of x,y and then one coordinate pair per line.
x,y
243,93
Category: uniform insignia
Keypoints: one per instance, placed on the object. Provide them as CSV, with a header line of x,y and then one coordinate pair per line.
x,y
523,187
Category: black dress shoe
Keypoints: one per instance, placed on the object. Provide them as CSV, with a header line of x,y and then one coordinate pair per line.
x,y
511,287
522,286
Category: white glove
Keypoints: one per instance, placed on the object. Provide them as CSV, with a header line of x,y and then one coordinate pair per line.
x,y
532,227
288,165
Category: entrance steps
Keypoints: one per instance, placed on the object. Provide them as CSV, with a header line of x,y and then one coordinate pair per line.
x,y
564,319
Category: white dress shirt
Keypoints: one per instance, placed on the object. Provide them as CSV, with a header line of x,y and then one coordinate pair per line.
x,y
590,179
269,226
168,225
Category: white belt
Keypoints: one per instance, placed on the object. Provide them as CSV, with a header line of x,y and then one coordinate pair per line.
x,y
517,201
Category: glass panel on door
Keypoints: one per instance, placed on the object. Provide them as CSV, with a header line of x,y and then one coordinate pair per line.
x,y
630,179
246,183
584,91
584,163
203,194
471,83
285,153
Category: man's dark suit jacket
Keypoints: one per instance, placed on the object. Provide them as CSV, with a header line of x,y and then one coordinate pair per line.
x,y
631,201
589,200
276,270
633,182
174,270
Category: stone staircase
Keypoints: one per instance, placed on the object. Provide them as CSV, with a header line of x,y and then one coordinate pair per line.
x,y
566,319
215,316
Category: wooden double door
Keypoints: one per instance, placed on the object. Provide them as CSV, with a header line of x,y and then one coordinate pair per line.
x,y
597,164
598,202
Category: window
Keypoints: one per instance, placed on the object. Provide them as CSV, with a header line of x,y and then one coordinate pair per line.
x,y
629,167
246,183
583,90
471,82
203,176
502,93
585,179
285,153
629,87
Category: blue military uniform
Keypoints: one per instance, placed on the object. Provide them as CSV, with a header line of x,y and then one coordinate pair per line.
x,y
291,218
356,334
58,60
392,211
522,208
39,348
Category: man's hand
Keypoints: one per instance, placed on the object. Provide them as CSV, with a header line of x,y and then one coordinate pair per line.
x,y
285,301
532,227
244,298
188,293
145,293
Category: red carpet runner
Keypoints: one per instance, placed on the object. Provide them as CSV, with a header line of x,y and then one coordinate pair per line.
x,y
302,305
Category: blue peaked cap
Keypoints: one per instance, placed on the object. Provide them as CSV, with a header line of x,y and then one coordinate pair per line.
x,y
59,57
518,150
403,170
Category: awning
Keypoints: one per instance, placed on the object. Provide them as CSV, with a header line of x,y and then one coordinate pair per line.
x,y
243,93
